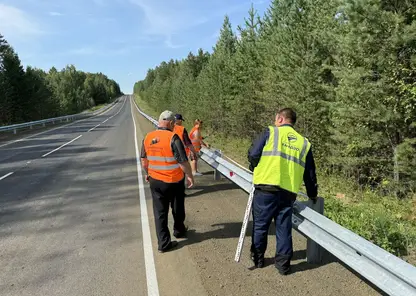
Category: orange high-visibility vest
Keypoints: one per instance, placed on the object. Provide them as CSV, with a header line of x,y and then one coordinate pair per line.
x,y
196,142
179,130
162,164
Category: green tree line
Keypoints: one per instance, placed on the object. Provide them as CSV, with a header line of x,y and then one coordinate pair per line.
x,y
33,94
346,66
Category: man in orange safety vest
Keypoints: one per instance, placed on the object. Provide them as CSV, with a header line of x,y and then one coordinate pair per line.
x,y
166,164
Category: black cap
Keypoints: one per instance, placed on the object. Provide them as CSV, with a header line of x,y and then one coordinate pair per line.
x,y
179,117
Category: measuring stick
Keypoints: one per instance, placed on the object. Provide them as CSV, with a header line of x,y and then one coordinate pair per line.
x,y
244,227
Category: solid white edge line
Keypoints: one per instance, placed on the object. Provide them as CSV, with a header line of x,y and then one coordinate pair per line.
x,y
62,146
6,175
151,278
59,127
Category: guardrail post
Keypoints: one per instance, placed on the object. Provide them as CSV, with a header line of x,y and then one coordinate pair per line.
x,y
217,174
15,131
43,124
314,252
31,127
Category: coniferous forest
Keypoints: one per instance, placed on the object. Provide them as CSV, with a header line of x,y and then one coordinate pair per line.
x,y
33,94
348,68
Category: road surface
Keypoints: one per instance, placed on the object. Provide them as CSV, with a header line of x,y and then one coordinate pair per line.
x,y
75,217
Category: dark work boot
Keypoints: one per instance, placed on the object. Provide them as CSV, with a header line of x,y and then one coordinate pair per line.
x,y
180,234
257,258
172,245
282,264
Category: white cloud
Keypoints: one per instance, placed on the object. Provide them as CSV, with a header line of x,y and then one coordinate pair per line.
x,y
55,13
164,19
17,23
100,2
169,43
91,50
81,51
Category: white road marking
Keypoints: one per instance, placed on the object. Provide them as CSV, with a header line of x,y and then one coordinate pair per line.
x,y
94,127
62,146
152,285
6,175
59,127
91,129
119,110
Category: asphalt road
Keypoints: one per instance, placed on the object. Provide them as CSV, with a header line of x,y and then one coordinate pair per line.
x,y
76,219
69,221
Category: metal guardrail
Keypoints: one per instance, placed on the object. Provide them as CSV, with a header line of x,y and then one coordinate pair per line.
x,y
389,273
43,122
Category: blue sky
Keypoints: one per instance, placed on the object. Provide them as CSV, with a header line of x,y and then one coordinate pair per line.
x,y
121,38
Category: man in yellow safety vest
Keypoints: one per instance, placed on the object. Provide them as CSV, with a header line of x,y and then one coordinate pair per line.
x,y
280,159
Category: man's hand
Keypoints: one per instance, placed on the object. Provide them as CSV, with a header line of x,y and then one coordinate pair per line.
x,y
190,180
146,178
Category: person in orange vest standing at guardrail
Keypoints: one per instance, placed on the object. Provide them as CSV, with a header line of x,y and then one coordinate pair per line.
x,y
181,131
197,142
280,159
164,159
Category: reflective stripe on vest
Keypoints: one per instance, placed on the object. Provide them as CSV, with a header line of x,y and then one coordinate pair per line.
x,y
161,158
163,165
283,159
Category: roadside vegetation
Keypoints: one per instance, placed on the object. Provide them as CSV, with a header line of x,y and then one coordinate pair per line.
x,y
348,69
33,94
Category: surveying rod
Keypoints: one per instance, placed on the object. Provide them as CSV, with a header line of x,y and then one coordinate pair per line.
x,y
244,226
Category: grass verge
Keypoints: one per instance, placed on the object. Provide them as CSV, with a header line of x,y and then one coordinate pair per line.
x,y
386,221
95,108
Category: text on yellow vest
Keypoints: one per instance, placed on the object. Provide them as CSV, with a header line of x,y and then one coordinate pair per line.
x,y
282,162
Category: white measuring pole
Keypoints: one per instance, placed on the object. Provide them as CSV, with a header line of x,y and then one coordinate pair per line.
x,y
244,227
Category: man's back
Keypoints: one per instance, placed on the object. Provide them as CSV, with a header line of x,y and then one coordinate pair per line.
x,y
162,164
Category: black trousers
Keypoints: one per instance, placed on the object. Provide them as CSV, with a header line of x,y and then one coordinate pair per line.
x,y
277,206
165,194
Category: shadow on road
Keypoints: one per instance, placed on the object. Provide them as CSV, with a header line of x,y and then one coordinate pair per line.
x,y
205,189
232,230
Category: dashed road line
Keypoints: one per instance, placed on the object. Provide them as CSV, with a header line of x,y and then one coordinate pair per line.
x,y
6,175
67,143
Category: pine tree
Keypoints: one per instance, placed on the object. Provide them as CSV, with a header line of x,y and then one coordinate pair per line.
x,y
376,90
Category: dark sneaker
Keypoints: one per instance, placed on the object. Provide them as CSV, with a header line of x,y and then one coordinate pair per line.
x,y
172,245
282,271
181,234
258,259
282,264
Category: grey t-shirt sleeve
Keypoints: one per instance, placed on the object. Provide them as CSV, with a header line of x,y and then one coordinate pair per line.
x,y
178,149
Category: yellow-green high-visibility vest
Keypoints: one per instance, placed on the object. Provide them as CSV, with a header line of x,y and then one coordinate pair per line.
x,y
282,162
